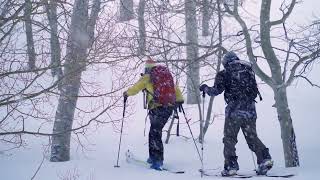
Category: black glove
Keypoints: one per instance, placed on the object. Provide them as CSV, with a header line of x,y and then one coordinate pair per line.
x,y
125,96
204,88
179,105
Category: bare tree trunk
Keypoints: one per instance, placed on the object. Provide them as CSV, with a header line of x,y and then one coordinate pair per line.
x,y
208,117
287,131
29,35
51,8
77,46
205,18
193,79
126,10
96,6
142,28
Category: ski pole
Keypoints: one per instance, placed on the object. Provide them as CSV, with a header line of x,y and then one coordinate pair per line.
x,y
145,124
176,116
255,167
202,132
124,110
144,98
194,141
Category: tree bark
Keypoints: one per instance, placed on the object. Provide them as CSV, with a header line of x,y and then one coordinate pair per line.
x,y
193,79
29,35
55,48
205,18
77,45
142,28
126,10
287,131
96,7
280,94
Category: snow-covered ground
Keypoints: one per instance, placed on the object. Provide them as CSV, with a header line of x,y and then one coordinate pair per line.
x,y
97,161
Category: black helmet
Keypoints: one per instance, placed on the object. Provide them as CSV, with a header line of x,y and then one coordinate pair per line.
x,y
229,57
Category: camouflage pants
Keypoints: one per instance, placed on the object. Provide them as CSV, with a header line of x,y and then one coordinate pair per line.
x,y
248,126
158,118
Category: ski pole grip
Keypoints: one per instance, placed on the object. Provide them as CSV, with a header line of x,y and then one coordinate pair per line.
x,y
203,93
124,105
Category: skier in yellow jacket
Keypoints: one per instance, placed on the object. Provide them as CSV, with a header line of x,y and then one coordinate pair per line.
x,y
162,98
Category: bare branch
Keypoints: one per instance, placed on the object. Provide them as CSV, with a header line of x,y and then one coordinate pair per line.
x,y
309,81
285,15
311,56
249,46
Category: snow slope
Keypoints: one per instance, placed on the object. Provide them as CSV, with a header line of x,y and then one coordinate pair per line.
x,y
97,161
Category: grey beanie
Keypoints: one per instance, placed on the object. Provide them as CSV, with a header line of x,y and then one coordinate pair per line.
x,y
229,57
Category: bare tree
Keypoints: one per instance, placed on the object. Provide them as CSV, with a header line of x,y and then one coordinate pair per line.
x,y
142,28
51,9
28,96
205,17
193,77
220,53
77,48
29,34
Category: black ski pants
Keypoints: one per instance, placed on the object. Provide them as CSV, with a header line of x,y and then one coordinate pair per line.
x,y
248,126
158,119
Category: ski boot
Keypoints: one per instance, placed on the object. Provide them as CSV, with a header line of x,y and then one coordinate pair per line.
x,y
231,167
264,167
266,164
157,165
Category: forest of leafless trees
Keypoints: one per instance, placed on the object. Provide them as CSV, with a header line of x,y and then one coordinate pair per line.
x,y
64,64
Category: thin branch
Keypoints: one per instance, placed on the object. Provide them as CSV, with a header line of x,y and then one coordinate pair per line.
x,y
308,80
249,48
311,56
285,15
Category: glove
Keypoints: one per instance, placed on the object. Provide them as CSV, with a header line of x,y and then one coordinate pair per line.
x,y
179,105
204,88
125,96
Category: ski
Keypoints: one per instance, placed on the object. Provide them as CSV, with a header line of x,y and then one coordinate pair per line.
x,y
243,175
280,176
131,159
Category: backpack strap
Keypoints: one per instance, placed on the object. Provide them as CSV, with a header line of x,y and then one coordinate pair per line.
x,y
259,94
260,97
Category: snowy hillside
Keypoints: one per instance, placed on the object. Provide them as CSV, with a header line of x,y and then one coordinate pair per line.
x,y
94,155
96,161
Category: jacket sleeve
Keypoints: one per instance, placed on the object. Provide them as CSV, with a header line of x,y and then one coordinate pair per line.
x,y
179,97
138,86
218,87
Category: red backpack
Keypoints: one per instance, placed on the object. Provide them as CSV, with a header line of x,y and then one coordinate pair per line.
x,y
163,86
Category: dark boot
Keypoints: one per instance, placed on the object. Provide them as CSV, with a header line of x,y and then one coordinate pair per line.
x,y
231,166
266,164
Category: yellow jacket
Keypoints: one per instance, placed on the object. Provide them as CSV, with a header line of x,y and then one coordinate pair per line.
x,y
145,83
